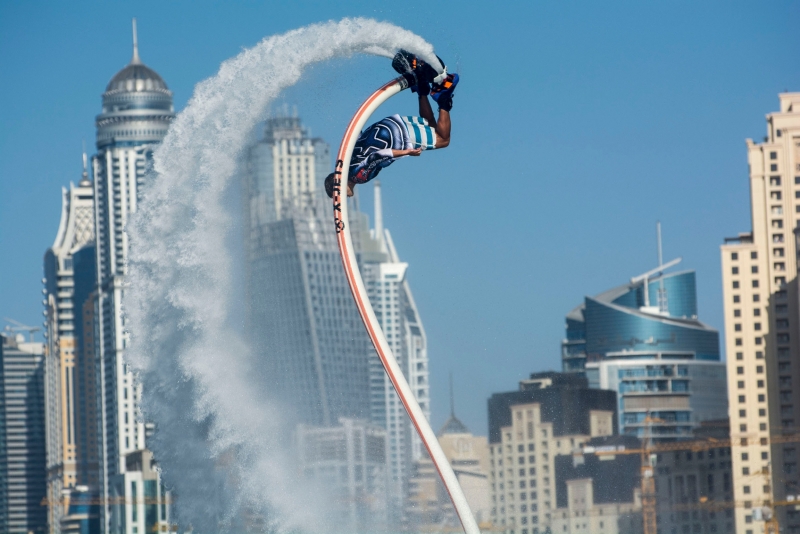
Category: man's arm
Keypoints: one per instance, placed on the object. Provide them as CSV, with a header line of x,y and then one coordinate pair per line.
x,y
408,152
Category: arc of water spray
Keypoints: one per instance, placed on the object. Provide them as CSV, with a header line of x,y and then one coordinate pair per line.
x,y
197,372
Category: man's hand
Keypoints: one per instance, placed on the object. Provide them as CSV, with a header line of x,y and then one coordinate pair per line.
x,y
350,186
409,152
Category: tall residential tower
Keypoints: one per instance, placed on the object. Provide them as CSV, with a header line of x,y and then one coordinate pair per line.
x,y
299,303
760,290
137,111
70,279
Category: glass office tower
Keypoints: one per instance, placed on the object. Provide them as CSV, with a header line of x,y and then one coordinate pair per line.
x,y
661,360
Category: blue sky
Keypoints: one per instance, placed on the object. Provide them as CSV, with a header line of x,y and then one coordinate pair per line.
x,y
576,126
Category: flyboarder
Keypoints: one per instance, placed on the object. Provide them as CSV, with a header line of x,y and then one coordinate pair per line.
x,y
394,137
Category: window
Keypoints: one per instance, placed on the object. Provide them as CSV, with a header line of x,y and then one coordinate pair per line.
x,y
760,383
741,398
742,413
780,280
739,356
738,342
777,238
759,369
777,252
754,255
759,355
756,312
780,266
735,284
775,195
755,283
773,167
740,370
754,269
773,155
737,313
761,397
762,412
774,181
735,270
745,457
757,326
777,210
737,327
734,256
736,299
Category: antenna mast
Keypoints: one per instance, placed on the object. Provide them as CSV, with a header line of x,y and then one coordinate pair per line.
x,y
135,60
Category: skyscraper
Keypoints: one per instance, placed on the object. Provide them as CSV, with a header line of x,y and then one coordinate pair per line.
x,y
661,360
23,471
759,280
137,111
299,303
70,278
390,295
298,300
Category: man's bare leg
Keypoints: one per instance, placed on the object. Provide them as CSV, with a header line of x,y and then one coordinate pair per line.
x,y
442,126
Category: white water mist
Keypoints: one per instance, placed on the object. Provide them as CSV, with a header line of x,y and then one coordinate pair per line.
x,y
217,432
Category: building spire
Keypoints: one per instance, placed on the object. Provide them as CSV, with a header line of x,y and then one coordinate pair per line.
x,y
135,60
85,176
378,214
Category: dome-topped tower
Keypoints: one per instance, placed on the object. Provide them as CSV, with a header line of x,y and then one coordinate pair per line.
x,y
137,112
137,105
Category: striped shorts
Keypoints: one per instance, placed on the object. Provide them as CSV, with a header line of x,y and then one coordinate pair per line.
x,y
420,133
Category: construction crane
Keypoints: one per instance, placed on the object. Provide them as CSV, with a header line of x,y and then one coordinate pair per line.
x,y
650,525
20,327
648,453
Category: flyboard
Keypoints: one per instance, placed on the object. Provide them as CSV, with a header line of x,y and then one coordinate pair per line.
x,y
374,330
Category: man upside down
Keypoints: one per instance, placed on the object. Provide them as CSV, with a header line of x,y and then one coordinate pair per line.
x,y
395,137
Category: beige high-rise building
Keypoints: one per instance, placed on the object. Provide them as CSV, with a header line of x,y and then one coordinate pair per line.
x,y
759,275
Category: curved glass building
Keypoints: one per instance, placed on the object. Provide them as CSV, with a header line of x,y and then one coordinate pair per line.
x,y
661,360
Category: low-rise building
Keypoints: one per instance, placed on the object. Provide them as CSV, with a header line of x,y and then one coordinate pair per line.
x,y
350,460
550,414
599,493
428,506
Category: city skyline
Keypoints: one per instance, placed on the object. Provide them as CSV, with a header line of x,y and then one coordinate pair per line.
x,y
505,342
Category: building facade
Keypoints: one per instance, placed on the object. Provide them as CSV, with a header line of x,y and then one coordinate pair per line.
x,y
23,457
661,360
599,494
694,486
760,291
70,278
350,460
137,111
551,414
